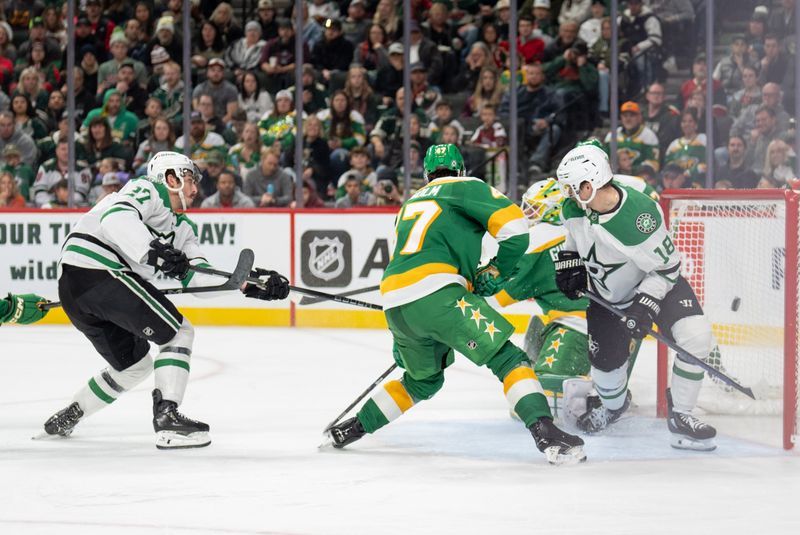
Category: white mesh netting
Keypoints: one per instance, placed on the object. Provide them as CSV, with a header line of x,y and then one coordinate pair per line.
x,y
734,256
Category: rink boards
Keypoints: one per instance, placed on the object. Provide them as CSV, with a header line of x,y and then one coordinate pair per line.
x,y
333,251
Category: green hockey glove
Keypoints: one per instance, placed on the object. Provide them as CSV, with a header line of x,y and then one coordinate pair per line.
x,y
22,309
488,280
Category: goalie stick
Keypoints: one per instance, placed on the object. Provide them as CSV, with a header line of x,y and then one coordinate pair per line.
x,y
234,282
675,347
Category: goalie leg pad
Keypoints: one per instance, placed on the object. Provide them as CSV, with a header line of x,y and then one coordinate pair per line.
x,y
105,387
173,363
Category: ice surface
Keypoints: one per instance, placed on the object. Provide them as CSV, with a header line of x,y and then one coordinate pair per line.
x,y
456,464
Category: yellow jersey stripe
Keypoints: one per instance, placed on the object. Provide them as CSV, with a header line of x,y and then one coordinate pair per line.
x,y
504,299
412,276
399,395
503,216
520,373
551,243
554,314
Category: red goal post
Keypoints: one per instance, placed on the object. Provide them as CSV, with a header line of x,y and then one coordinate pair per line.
x,y
739,252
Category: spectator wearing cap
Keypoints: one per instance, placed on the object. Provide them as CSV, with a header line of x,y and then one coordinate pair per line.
x,y
167,38
425,51
201,141
277,57
210,45
333,54
266,17
21,172
356,24
389,78
101,26
662,118
107,72
54,172
110,184
235,129
228,194
634,136
312,30
9,135
641,29
278,129
737,170
268,184
424,97
122,122
729,69
223,93
372,53
245,53
85,43
540,9
315,94
675,177
37,33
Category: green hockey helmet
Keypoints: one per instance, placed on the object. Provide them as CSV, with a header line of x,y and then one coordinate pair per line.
x,y
542,202
444,157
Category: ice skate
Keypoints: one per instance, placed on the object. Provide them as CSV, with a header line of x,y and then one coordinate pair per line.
x,y
63,422
688,432
173,429
559,447
597,417
342,434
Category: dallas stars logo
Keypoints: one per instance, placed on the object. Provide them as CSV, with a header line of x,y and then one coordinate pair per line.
x,y
462,304
491,329
646,223
598,270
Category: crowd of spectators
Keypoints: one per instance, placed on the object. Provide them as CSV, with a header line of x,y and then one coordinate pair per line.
x,y
129,90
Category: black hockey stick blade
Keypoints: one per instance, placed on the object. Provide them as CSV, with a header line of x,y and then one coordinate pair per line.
x,y
314,300
675,347
235,279
336,298
371,387
234,282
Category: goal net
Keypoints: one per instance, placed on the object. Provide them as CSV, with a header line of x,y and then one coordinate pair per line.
x,y
739,253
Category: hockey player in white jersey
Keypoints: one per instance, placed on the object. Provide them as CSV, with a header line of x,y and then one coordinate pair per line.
x,y
618,236
106,263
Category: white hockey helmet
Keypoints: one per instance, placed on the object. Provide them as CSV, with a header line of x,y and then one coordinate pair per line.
x,y
542,202
169,162
587,163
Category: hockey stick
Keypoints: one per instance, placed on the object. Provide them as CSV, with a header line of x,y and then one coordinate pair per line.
x,y
307,291
364,394
315,300
234,282
675,347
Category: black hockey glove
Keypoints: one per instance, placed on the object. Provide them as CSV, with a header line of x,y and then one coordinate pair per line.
x,y
570,274
172,262
639,317
275,286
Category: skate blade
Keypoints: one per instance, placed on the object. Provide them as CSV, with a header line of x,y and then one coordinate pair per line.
x,y
44,435
170,440
681,442
572,456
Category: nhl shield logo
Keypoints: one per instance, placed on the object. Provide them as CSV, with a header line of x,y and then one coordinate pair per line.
x,y
325,258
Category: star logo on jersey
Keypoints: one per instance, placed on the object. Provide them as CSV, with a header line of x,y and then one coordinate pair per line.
x,y
477,316
555,345
646,223
491,329
598,270
462,304
550,361
561,331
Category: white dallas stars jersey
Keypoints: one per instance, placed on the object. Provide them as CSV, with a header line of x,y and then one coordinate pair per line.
x,y
116,233
627,250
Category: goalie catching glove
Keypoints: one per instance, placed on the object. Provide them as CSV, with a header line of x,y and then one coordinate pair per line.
x,y
639,317
172,262
570,274
274,286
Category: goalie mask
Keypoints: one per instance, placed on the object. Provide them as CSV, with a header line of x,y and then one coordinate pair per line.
x,y
167,162
542,203
443,157
586,163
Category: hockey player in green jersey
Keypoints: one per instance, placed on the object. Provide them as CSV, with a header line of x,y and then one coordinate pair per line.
x,y
106,265
22,309
431,309
617,235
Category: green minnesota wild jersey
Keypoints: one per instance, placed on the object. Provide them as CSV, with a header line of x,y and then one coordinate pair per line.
x,y
438,238
536,279
689,154
627,250
642,144
116,233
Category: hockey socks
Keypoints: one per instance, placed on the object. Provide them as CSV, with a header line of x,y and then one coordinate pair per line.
x,y
520,385
105,387
391,401
172,364
611,386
